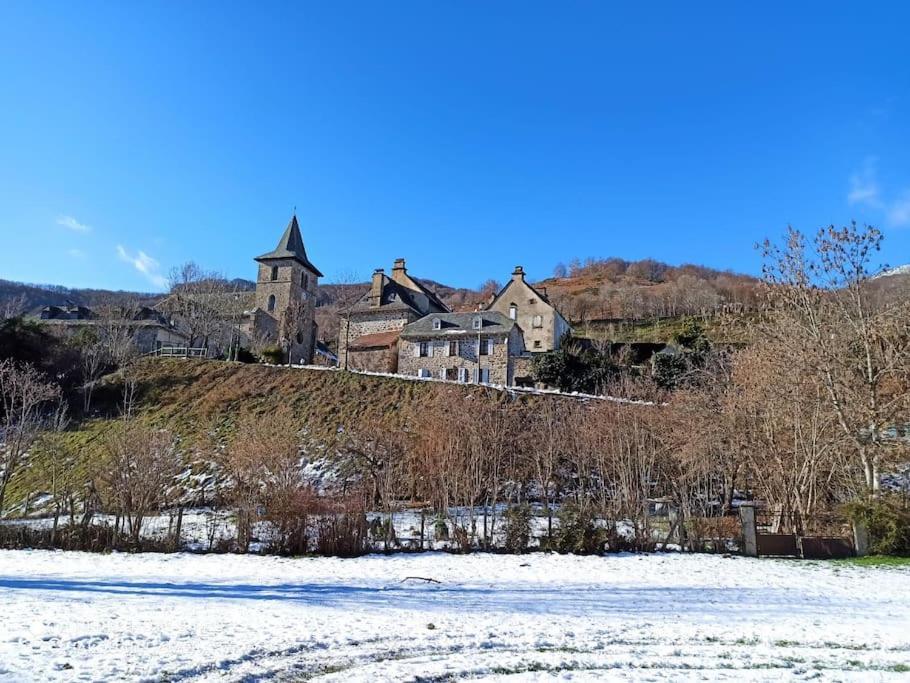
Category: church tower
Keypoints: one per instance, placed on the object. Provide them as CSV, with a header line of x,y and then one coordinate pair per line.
x,y
286,297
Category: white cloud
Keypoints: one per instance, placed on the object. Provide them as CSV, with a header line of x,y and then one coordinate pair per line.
x,y
899,211
71,223
865,190
145,264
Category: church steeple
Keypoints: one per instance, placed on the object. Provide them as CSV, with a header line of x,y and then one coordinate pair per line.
x,y
291,246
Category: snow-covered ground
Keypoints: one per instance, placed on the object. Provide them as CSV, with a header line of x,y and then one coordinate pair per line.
x,y
182,617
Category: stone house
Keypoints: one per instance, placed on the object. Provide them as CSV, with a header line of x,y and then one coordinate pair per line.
x,y
369,331
286,283
543,325
481,347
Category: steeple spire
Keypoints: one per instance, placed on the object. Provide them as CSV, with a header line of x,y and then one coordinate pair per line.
x,y
291,246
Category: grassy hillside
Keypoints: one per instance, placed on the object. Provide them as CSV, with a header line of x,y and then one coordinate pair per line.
x,y
195,398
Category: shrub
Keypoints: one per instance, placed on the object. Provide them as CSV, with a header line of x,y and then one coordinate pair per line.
x,y
518,528
577,532
342,535
441,528
273,355
887,520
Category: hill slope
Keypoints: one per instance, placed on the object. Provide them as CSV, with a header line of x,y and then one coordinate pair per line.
x,y
196,398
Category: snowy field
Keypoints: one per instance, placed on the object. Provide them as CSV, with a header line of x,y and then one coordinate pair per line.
x,y
182,617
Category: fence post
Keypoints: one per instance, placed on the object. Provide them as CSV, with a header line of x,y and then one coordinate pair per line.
x,y
750,531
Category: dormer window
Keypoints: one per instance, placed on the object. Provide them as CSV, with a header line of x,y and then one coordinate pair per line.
x,y
437,324
477,323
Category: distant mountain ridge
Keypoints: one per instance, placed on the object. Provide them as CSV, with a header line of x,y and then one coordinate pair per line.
x,y
898,270
27,298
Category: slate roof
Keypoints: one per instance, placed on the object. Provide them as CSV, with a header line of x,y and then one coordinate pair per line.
x,y
291,246
398,297
458,324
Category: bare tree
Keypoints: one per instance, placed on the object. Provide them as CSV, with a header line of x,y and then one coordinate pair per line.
x,y
378,450
262,462
348,294
138,473
855,345
14,307
203,304
25,395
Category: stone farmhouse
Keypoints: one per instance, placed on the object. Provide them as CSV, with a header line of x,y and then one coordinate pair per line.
x,y
370,329
543,326
482,347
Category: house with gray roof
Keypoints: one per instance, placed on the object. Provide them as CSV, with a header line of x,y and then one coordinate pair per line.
x,y
369,331
483,347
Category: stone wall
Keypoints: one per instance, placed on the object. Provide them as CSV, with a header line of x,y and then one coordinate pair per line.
x,y
374,360
444,366
368,322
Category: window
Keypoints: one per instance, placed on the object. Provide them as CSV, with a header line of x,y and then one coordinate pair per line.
x,y
423,349
477,323
304,280
483,375
423,372
443,373
486,347
463,375
274,274
536,343
452,348
537,321
532,301
437,324
513,312
271,304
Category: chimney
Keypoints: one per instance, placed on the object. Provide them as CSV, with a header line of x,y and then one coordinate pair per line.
x,y
518,273
376,288
399,272
543,290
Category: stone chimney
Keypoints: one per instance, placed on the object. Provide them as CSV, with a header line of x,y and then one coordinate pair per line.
x,y
376,288
399,272
518,273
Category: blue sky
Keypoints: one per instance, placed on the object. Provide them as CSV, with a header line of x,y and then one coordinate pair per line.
x,y
467,137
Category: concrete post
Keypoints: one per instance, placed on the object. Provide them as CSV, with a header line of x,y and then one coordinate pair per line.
x,y
750,531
